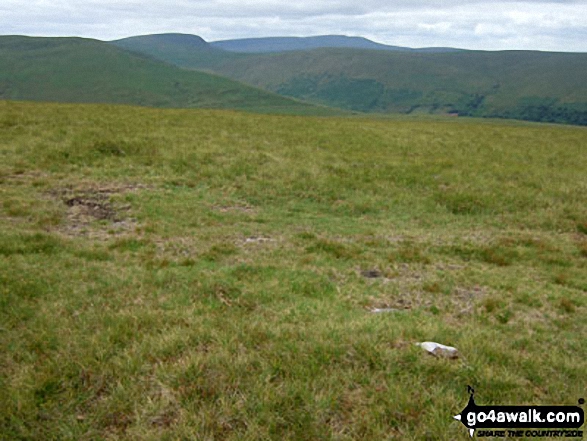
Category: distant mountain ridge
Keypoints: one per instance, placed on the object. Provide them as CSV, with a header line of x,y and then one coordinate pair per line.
x,y
283,44
184,50
164,41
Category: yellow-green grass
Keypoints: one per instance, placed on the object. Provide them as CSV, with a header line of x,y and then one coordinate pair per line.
x,y
192,274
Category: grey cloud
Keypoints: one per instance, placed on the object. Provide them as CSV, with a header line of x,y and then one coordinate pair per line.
x,y
476,24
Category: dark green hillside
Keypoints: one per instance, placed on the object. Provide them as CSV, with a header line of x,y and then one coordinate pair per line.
x,y
525,85
82,70
537,86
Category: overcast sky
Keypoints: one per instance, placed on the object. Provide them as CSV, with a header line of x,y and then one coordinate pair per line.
x,y
556,25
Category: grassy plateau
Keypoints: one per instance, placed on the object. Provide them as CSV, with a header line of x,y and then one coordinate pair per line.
x,y
212,274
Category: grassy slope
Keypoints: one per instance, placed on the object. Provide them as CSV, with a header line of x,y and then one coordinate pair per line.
x,y
189,274
81,70
520,84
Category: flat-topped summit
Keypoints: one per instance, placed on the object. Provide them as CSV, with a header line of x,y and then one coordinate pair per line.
x,y
283,44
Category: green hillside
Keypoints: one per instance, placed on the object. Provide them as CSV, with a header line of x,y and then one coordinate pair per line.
x,y
189,274
537,86
82,70
525,85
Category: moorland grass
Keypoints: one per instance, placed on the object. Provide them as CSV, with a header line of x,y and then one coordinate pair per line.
x,y
191,274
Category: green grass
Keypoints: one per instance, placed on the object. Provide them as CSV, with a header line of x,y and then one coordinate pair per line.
x,y
526,85
90,71
199,274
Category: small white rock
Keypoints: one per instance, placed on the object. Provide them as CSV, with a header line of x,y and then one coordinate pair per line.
x,y
439,350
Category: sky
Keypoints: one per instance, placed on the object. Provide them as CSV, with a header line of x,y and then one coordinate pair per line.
x,y
550,25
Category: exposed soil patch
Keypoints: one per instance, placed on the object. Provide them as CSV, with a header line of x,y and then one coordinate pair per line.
x,y
92,212
412,289
460,302
371,273
92,208
394,304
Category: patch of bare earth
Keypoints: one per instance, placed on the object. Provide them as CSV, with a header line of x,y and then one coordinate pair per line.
x,y
412,290
92,213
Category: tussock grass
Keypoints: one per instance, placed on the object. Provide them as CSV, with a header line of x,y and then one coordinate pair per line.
x,y
170,274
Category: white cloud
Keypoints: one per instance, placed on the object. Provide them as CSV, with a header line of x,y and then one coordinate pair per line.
x,y
489,29
474,24
441,27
